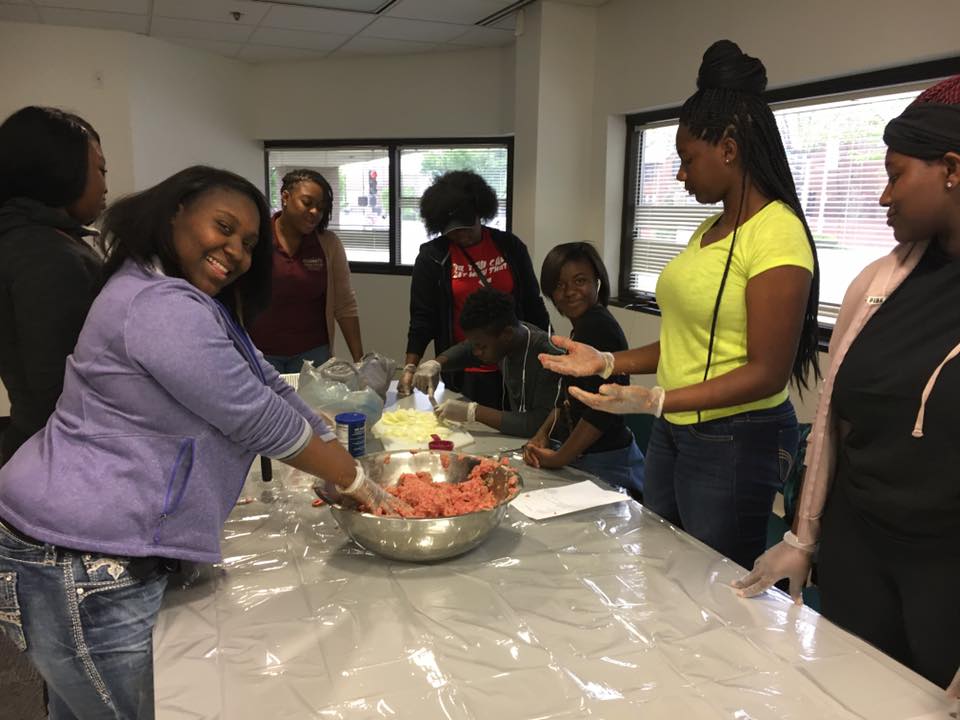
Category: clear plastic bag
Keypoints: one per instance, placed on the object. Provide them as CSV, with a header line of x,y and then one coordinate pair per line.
x,y
336,387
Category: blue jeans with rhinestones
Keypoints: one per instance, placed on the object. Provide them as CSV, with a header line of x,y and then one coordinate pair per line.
x,y
86,622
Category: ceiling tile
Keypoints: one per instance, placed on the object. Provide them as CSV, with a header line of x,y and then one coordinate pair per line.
x,y
297,39
302,18
102,20
485,37
355,5
466,12
134,7
269,53
214,10
380,46
19,13
418,30
170,27
216,47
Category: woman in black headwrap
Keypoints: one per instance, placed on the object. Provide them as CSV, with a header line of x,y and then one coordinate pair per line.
x,y
881,493
739,318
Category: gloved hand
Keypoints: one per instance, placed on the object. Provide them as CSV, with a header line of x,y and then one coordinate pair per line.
x,y
374,498
405,386
953,689
457,411
623,399
427,377
581,360
786,559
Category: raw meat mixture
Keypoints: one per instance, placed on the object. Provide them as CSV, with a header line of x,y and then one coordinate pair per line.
x,y
429,499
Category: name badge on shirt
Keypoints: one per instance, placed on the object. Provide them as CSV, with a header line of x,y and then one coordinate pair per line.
x,y
313,264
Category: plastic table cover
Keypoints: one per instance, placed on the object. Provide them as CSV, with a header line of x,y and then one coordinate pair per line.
x,y
606,613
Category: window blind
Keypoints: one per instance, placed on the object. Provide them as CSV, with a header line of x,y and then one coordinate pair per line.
x,y
419,165
360,180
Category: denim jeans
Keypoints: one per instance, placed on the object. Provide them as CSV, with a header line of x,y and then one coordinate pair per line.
x,y
622,468
717,480
292,363
86,622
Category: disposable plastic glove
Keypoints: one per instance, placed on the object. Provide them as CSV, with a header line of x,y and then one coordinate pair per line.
x,y
405,386
580,361
457,411
427,377
623,399
787,559
372,497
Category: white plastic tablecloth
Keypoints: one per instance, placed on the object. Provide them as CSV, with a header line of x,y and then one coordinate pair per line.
x,y
607,613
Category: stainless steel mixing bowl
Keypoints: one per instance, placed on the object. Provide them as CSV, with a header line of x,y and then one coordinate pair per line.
x,y
423,539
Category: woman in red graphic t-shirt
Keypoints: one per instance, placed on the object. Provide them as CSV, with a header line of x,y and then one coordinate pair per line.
x,y
311,280
466,256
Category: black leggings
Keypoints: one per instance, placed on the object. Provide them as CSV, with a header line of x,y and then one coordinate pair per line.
x,y
900,597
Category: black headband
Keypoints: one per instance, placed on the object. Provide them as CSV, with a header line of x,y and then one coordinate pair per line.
x,y
925,130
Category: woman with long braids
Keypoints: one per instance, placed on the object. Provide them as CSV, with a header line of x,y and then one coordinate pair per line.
x,y
739,317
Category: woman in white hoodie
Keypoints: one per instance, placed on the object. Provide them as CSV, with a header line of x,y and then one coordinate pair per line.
x,y
881,493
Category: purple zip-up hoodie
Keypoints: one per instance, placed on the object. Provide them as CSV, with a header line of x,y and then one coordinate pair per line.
x,y
165,404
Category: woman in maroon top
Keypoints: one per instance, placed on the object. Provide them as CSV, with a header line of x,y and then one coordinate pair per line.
x,y
311,280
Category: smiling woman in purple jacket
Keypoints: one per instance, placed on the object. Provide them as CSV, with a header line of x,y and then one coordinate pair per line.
x,y
165,405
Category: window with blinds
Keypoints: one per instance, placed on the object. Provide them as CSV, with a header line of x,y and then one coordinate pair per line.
x,y
377,186
836,153
360,180
420,165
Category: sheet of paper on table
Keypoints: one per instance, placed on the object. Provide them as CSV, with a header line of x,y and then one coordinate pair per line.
x,y
555,501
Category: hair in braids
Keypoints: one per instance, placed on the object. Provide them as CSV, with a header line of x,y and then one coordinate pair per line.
x,y
729,103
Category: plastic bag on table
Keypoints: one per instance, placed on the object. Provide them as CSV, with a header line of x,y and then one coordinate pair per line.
x,y
376,371
329,396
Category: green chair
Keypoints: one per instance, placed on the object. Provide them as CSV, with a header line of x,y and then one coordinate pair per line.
x,y
640,425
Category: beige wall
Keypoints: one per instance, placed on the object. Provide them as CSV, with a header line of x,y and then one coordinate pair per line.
x,y
84,71
463,93
189,107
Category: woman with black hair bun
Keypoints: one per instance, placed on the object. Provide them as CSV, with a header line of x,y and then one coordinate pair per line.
x,y
465,256
312,286
739,318
52,184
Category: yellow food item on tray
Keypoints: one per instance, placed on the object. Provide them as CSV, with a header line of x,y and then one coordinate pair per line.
x,y
410,425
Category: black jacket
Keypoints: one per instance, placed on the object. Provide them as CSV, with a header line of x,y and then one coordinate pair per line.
x,y
431,295
48,280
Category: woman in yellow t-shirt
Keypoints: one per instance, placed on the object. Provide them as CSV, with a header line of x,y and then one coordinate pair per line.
x,y
739,316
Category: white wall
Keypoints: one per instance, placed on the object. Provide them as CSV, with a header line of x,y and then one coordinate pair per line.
x,y
450,94
84,71
157,107
189,107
